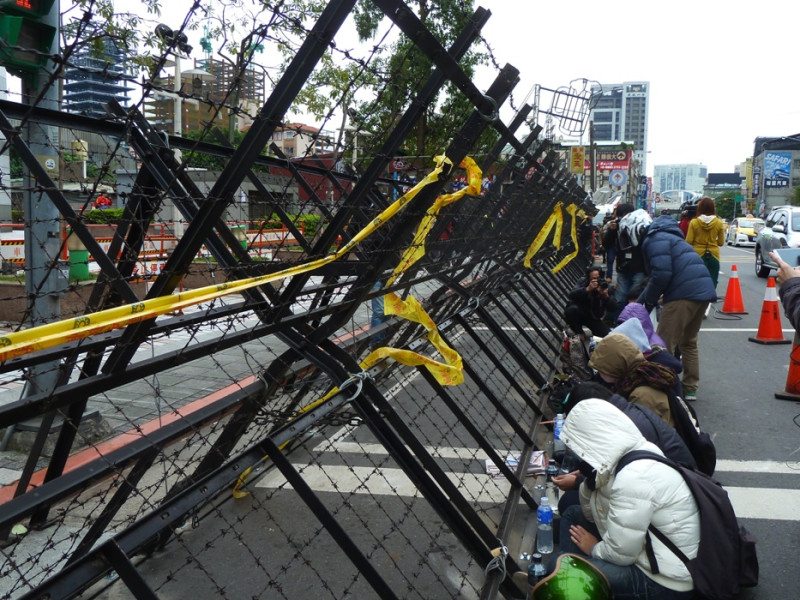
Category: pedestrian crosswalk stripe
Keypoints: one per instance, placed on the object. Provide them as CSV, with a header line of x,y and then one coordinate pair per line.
x,y
378,481
782,504
481,488
451,452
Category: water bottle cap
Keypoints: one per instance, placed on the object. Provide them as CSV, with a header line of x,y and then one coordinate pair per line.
x,y
544,501
537,557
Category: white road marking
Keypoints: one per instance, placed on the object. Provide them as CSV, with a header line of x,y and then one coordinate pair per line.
x,y
739,329
386,482
375,481
783,505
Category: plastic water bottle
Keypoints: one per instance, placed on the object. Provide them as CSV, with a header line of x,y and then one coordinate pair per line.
x,y
551,490
558,444
544,530
536,571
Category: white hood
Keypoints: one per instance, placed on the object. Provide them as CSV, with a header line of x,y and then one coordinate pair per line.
x,y
600,434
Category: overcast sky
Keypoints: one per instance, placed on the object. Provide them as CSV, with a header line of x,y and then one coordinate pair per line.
x,y
720,73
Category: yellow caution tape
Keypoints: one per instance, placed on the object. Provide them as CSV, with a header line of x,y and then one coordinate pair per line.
x,y
19,343
572,209
416,250
556,220
450,372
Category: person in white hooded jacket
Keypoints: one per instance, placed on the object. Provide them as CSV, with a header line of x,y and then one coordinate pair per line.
x,y
610,524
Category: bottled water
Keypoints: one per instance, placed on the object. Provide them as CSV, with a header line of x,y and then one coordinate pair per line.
x,y
558,444
551,490
544,530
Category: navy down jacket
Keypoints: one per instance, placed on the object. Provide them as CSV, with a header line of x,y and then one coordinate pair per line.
x,y
674,268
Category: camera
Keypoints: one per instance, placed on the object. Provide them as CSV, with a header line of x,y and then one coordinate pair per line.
x,y
603,285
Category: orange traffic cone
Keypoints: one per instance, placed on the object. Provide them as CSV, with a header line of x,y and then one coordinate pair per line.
x,y
792,391
769,328
733,296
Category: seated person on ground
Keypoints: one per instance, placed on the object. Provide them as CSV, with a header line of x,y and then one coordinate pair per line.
x,y
649,424
588,304
620,363
610,526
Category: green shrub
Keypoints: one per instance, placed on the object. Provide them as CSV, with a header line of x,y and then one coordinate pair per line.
x,y
103,217
310,224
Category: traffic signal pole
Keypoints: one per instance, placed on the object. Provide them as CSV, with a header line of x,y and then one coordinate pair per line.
x,y
30,39
44,281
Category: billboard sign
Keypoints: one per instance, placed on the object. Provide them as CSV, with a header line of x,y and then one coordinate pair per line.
x,y
577,160
612,160
776,169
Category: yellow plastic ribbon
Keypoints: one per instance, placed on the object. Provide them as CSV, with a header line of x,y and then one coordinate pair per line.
x,y
573,210
449,372
556,219
19,343
416,249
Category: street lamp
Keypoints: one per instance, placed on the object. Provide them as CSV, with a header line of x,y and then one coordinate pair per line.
x,y
179,47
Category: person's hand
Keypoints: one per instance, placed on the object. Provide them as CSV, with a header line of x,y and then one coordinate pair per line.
x,y
582,539
567,482
785,270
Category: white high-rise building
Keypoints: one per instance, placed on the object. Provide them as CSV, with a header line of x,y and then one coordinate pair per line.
x,y
689,177
620,115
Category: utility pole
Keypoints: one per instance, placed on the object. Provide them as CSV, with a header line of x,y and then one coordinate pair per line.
x,y
592,158
43,279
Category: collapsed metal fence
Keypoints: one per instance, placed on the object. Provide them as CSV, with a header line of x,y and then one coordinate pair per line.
x,y
268,432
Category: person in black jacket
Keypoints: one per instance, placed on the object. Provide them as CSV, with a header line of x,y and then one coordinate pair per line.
x,y
680,280
588,304
630,264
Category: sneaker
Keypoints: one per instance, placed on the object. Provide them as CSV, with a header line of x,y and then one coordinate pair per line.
x,y
691,396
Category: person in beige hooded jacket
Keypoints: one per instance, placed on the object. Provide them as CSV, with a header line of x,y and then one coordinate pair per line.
x,y
706,234
620,363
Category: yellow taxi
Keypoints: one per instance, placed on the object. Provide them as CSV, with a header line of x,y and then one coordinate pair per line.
x,y
743,230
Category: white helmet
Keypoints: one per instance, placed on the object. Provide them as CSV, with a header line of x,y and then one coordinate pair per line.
x,y
632,228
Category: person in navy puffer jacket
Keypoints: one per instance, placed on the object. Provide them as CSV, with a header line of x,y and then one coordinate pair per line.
x,y
677,276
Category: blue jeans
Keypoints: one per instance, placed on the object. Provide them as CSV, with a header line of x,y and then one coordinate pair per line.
x,y
378,315
626,282
611,255
627,582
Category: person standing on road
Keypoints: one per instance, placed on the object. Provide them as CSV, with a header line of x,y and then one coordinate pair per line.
x,y
706,234
609,241
630,265
679,278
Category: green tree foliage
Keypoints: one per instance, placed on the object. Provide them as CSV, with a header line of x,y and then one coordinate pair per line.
x,y
406,67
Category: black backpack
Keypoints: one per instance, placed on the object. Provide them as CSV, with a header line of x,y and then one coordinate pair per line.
x,y
698,442
726,559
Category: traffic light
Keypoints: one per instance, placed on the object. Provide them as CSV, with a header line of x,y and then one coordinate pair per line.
x,y
26,37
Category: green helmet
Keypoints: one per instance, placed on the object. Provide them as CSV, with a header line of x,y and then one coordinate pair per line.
x,y
574,578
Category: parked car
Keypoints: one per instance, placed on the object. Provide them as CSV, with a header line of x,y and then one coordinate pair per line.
x,y
742,231
781,230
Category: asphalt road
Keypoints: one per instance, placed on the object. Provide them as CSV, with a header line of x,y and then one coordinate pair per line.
x,y
757,436
757,439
